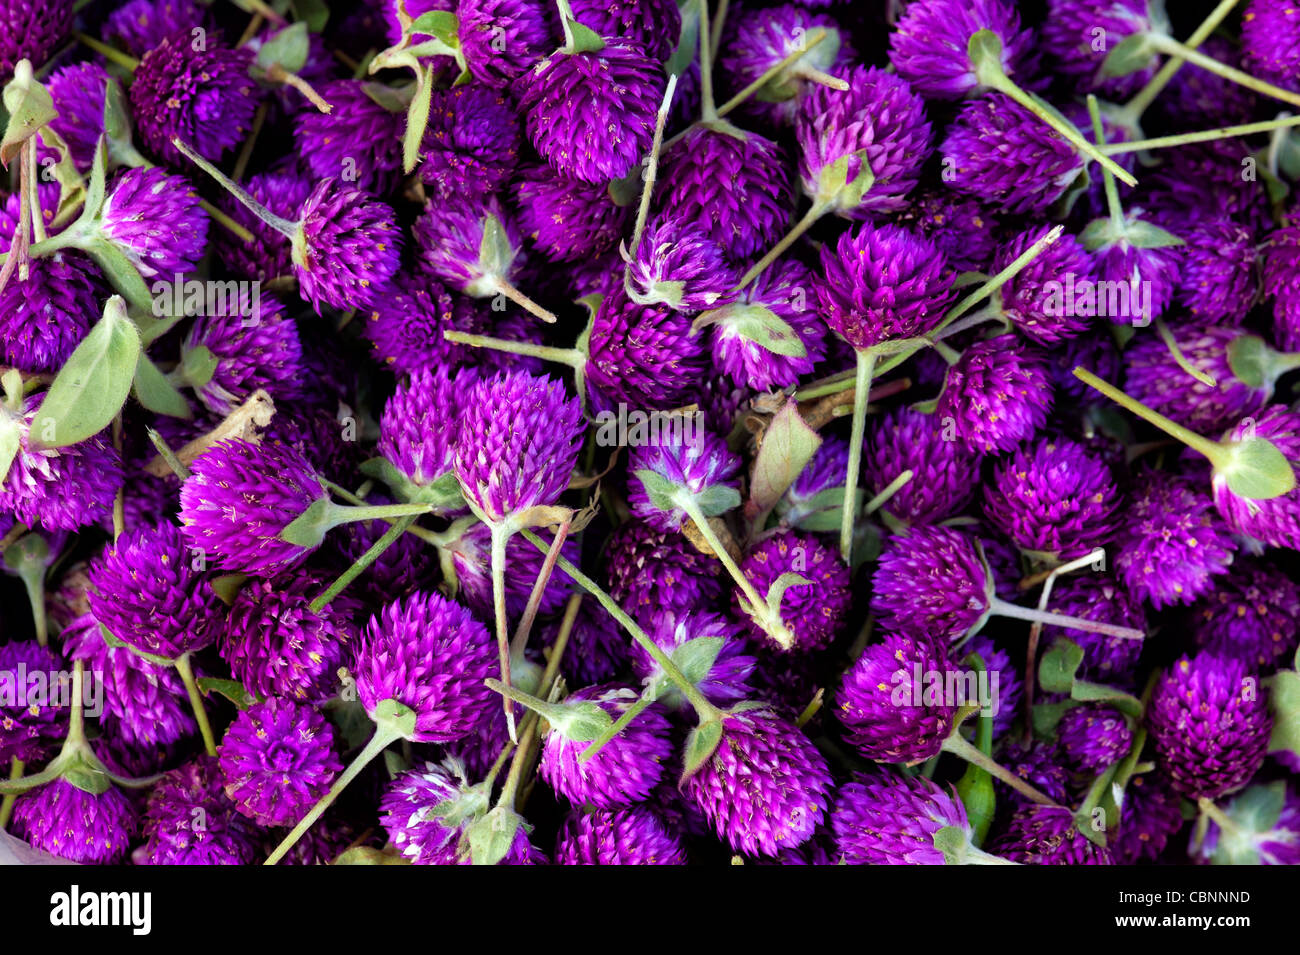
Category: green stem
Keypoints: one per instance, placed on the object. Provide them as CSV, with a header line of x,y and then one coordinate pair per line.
x,y
815,212
186,673
539,590
566,18
501,534
866,368
1001,608
1205,136
991,312
394,531
351,513
814,38
686,501
821,77
719,21
996,282
1175,352
510,788
708,110
1097,790
563,356
278,223
1172,47
1134,108
958,746
631,713
112,54
1208,808
7,805
652,168
524,302
1112,191
892,488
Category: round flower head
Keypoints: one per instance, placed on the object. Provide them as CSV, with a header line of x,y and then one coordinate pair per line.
x,y
269,255
403,566
78,94
765,787
1276,520
930,43
568,221
155,219
471,144
1093,737
29,728
45,316
930,583
648,571
1210,725
277,759
57,488
964,230
654,25
1077,34
419,426
1031,300
727,681
597,649
472,557
471,244
240,497
813,612
997,395
1206,177
883,282
631,836
73,824
1270,837
1053,498
781,290
733,184
1218,272
346,248
406,325
1096,596
31,31
625,770
518,443
1150,815
943,468
680,266
1270,41
190,821
591,115
1002,154
1281,281
1047,835
202,95
1149,274
501,39
694,467
255,346
891,715
878,126
138,26
1198,99
1253,615
1156,379
1039,765
429,654
1003,697
358,139
891,819
643,356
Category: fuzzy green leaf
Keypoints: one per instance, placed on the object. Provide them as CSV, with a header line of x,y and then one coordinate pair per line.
x,y
232,690
289,48
700,746
152,389
442,24
788,445
1059,665
1127,56
1259,470
1284,704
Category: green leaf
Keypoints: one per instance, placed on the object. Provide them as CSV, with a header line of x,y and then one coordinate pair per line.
x,y
30,107
984,49
117,117
442,24
368,855
776,593
1057,668
695,658
788,445
626,191
198,365
152,389
313,12
1258,470
1284,704
121,272
688,44
492,836
582,722
1254,813
1126,703
1101,233
232,690
1142,234
661,491
952,842
392,714
116,644
1249,358
757,324
1047,715
93,383
495,253
701,744
393,100
834,187
289,48
29,553
585,39
417,117
718,499
228,586
350,720
308,529
10,440
1128,56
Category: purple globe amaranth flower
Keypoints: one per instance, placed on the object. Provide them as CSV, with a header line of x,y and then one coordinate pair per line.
x,y
765,787
501,39
733,184
238,499
1198,99
891,819
680,266
140,25
1001,701
876,130
1047,835
812,612
1096,596
1053,499
29,728
346,247
1208,176
727,680
429,654
1270,41
1150,815
419,428
78,94
277,759
943,468
190,821
471,244
1281,281
277,646
892,701
202,95
1252,615
625,769
701,468
645,357
1218,270
1093,737
472,558
964,230
73,824
1210,725
1275,520
45,316
1000,153
591,115
1147,273
518,443
997,395
648,571
1039,765
471,144
930,583
883,282
1077,36
269,255
630,836
597,650
57,488
32,31
1154,377
155,219
146,592
655,25
359,140
567,220
406,325
255,345
929,47
1171,545
1032,299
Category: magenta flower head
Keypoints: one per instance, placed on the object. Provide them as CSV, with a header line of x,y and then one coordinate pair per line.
x,y
346,246
964,230
892,703
1093,737
680,266
501,39
1253,615
1047,835
997,395
861,150
1078,35
1273,520
359,140
472,557
29,729
1096,596
406,323
146,592
943,467
567,220
1270,41
1151,814
642,356
625,770
44,317
655,25
1032,300
32,31
591,114
1053,498
891,819
202,94
269,256
1171,545
138,26
78,94
726,682
1150,273
929,47
1039,765
930,583
1218,271
1210,725
238,499
75,824
277,758
156,221
597,650
429,654
255,345
189,820
471,244
661,475
471,144
813,612
883,282
631,836
419,427
648,571
765,787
